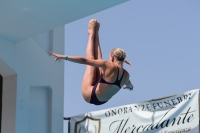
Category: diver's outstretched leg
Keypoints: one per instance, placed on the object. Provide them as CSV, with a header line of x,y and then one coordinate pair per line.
x,y
89,78
97,49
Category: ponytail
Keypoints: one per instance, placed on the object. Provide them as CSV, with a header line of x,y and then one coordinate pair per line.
x,y
127,62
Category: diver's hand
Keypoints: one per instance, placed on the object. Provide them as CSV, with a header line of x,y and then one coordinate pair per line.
x,y
128,87
58,56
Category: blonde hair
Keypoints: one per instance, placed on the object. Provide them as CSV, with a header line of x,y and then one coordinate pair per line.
x,y
120,55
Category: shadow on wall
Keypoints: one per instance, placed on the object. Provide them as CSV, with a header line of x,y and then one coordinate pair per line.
x,y
8,86
1,88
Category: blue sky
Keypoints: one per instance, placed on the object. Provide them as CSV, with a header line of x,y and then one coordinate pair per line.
x,y
161,39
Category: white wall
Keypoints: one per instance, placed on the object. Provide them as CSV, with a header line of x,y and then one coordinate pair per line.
x,y
30,60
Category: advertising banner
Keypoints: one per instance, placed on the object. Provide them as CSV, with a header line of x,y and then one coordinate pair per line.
x,y
173,114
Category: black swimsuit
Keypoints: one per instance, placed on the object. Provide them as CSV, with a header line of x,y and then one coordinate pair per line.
x,y
93,99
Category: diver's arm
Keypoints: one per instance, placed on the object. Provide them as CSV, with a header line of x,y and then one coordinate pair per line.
x,y
81,60
128,85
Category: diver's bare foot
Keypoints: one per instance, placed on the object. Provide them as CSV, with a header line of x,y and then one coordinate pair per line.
x,y
92,26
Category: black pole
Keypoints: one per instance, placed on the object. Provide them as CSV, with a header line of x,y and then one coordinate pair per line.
x,y
68,118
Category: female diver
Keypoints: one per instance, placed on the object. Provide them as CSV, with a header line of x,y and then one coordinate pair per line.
x,y
102,79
